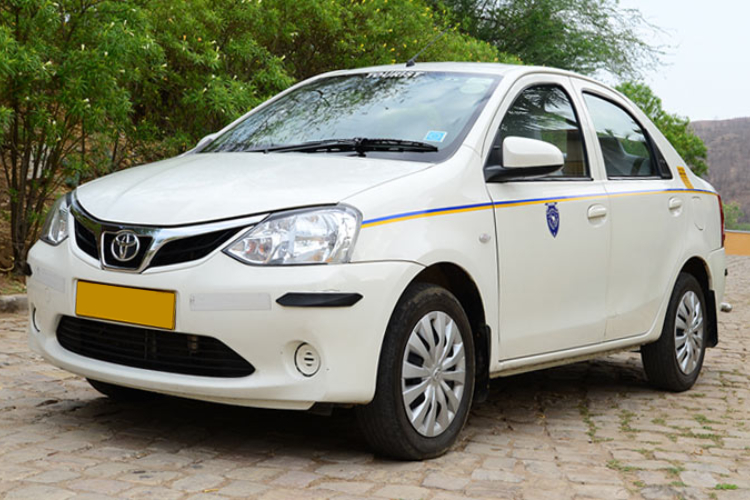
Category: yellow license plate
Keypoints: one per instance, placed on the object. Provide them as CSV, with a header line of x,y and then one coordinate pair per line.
x,y
138,306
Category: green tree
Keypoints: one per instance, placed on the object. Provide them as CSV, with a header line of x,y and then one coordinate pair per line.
x,y
674,127
91,86
586,36
64,70
223,57
732,215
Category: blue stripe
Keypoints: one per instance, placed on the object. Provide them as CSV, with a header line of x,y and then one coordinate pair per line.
x,y
528,200
430,211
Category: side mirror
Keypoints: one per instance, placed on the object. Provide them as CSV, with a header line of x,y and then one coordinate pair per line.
x,y
525,158
206,140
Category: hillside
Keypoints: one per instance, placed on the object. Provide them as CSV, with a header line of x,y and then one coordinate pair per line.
x,y
728,143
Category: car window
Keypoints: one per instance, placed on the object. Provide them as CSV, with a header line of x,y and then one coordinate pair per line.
x,y
545,113
433,107
625,146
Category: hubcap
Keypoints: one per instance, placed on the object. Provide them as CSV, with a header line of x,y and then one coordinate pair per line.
x,y
434,374
688,332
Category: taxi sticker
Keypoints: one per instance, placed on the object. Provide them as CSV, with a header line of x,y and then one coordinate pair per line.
x,y
685,178
435,136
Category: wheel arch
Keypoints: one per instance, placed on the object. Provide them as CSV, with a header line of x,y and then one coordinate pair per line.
x,y
698,268
459,282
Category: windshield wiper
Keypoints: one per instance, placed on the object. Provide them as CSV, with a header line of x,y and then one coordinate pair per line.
x,y
359,144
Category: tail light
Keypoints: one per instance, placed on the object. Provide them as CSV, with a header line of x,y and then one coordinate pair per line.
x,y
721,211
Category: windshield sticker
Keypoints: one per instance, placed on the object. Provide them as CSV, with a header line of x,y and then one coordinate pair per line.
x,y
395,74
435,136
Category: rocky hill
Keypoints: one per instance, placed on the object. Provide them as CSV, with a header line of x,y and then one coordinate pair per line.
x,y
728,143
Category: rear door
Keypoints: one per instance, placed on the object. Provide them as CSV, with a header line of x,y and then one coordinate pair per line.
x,y
647,211
552,233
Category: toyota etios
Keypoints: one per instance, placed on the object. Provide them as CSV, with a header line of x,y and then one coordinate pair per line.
x,y
392,238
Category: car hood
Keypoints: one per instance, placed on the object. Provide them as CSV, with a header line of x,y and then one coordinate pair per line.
x,y
213,186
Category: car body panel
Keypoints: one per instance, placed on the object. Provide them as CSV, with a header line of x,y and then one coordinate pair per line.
x,y
215,186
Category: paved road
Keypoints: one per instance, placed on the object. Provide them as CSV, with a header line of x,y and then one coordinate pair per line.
x,y
591,430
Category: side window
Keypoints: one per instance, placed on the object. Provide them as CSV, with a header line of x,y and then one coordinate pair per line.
x,y
545,113
625,146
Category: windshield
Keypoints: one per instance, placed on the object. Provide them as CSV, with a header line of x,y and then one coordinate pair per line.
x,y
435,108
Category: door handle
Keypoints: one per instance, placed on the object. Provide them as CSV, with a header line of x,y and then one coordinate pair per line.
x,y
675,203
597,211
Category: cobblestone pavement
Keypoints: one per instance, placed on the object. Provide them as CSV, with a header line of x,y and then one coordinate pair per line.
x,y
590,430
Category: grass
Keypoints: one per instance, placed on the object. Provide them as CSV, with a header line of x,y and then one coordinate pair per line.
x,y
618,466
725,486
11,285
625,418
703,420
675,471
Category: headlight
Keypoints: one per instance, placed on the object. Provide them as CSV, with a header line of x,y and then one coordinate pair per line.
x,y
55,228
316,236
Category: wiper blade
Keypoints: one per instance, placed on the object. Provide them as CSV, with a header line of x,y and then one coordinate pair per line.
x,y
358,144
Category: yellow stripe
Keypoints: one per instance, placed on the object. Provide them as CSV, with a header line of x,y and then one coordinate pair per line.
x,y
685,178
420,216
536,202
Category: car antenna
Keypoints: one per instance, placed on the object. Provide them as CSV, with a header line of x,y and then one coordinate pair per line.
x,y
411,62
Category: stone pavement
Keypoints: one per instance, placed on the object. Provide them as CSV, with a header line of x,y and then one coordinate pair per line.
x,y
590,430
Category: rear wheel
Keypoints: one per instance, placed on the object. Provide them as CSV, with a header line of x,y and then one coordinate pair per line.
x,y
675,360
120,393
425,377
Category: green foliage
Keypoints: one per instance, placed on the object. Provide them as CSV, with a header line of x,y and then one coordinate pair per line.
x,y
674,127
64,72
223,57
733,214
91,86
586,36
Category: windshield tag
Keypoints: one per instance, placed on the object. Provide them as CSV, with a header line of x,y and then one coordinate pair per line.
x,y
395,74
435,136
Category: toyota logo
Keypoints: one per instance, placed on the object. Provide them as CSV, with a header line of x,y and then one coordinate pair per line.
x,y
125,246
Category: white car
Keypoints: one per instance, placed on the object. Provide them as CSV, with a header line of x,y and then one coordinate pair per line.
x,y
390,238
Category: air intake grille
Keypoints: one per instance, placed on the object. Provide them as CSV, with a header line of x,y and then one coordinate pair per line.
x,y
191,248
86,240
151,349
176,251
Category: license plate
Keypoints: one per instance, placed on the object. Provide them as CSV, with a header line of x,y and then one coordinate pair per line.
x,y
137,306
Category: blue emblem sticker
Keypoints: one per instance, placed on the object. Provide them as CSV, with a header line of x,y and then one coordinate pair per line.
x,y
435,136
553,218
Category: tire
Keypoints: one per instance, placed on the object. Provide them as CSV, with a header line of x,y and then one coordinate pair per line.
x,y
387,421
666,366
120,393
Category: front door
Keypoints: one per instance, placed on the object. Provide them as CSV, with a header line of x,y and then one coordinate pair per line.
x,y
552,233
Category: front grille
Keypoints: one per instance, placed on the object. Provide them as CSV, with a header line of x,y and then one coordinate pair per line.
x,y
177,251
86,240
191,248
163,351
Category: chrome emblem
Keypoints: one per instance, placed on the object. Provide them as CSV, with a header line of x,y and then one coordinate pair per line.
x,y
125,246
553,219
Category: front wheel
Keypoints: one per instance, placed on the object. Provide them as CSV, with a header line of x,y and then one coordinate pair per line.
x,y
425,377
675,360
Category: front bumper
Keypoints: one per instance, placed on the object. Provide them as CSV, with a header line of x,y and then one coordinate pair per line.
x,y
265,333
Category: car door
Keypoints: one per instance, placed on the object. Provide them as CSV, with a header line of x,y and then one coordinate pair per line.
x,y
552,233
647,212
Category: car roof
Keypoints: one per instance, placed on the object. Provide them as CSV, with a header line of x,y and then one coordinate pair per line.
x,y
504,70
